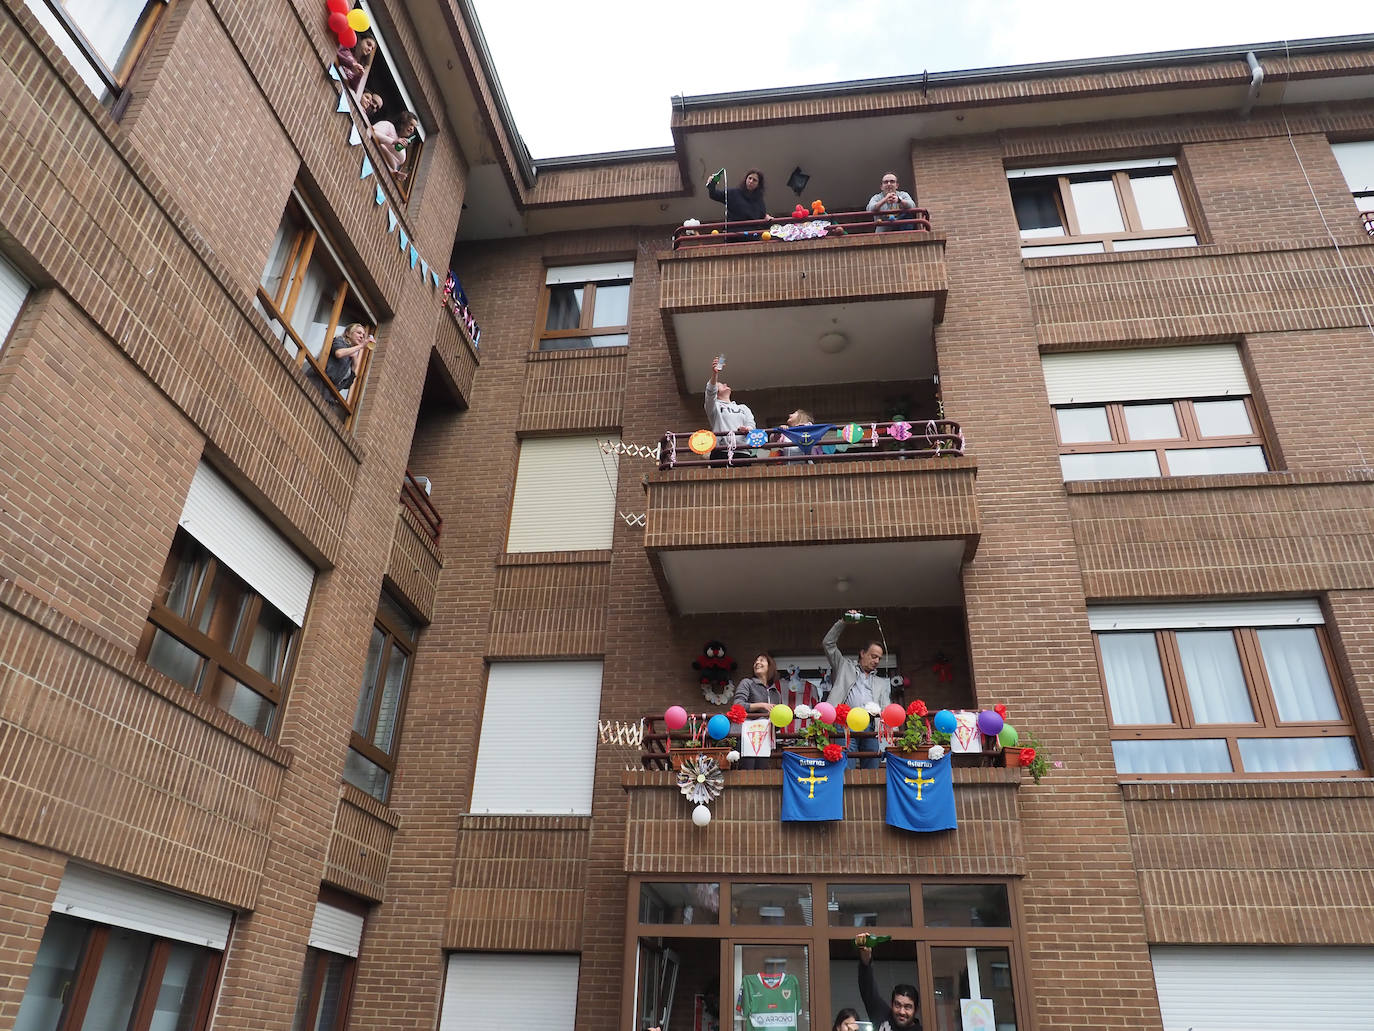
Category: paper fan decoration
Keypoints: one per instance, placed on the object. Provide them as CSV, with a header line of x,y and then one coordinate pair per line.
x,y
700,780
852,434
703,442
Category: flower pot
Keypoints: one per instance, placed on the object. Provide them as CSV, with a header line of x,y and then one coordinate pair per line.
x,y
921,752
1013,755
678,756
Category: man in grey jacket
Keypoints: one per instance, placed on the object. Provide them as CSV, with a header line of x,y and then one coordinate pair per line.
x,y
856,684
890,205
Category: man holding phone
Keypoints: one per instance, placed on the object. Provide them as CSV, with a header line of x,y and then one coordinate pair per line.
x,y
725,415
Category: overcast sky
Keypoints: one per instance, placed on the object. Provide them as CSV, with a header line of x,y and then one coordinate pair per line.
x,y
597,75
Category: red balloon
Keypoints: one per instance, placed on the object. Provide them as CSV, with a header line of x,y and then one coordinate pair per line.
x,y
338,22
347,38
337,6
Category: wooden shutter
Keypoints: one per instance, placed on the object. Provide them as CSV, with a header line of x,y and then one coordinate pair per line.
x,y
1144,374
564,495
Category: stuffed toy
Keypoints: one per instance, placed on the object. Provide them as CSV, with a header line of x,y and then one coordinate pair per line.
x,y
689,226
799,212
715,666
817,208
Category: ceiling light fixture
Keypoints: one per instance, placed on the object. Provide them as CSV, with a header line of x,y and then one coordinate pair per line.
x,y
796,182
833,342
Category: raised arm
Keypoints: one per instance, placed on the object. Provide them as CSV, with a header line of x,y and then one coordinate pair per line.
x,y
877,1007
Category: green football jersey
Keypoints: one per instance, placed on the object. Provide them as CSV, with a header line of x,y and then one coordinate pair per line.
x,y
770,1001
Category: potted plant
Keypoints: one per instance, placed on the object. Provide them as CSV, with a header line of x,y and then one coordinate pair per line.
x,y
913,738
813,738
1029,755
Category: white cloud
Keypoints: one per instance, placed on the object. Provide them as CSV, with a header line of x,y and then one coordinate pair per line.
x,y
582,78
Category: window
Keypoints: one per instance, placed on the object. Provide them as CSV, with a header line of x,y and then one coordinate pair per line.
x,y
1222,688
119,954
101,38
564,495
371,758
788,949
309,300
14,288
330,964
545,985
1158,411
1357,164
1101,206
233,596
545,766
586,306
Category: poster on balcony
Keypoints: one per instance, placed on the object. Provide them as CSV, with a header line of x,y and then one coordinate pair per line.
x,y
812,788
966,737
755,739
920,794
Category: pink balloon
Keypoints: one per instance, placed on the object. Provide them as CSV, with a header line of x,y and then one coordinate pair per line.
x,y
675,717
894,715
826,712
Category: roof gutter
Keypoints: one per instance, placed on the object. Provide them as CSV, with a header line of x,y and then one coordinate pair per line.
x,y
1256,81
503,116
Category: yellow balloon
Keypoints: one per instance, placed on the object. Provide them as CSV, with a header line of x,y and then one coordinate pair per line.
x,y
780,715
766,235
857,719
715,232
358,20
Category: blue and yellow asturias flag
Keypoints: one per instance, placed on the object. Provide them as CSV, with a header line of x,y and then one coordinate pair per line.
x,y
812,788
920,794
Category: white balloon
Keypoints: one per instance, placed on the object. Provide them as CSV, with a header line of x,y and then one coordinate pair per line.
x,y
701,816
732,757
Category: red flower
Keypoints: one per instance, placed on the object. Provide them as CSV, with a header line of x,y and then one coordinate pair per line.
x,y
917,708
834,753
841,715
1027,756
737,714
1001,710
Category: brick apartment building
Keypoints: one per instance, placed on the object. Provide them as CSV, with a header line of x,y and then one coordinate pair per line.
x,y
309,690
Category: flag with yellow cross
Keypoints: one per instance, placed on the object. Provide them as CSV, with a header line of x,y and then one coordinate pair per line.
x,y
812,788
920,794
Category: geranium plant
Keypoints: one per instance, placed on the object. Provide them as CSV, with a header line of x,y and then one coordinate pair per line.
x,y
914,732
1033,757
816,734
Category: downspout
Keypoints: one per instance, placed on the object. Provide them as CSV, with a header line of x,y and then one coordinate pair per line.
x,y
1256,81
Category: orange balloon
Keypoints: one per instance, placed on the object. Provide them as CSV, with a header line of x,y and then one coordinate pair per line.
x,y
703,442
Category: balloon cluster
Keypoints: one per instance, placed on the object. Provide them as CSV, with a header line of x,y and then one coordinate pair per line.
x,y
346,23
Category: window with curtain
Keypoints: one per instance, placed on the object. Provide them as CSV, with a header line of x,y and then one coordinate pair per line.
x,y
586,306
102,38
1189,694
371,760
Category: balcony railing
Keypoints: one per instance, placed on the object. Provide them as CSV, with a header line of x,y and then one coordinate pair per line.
x,y
822,442
790,229
416,498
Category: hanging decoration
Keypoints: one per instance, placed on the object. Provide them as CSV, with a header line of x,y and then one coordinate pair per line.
x,y
629,733
703,442
900,430
715,666
700,780
942,668
852,434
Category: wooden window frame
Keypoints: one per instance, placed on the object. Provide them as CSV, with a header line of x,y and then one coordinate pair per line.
x,y
216,656
1125,199
1184,414
279,308
315,994
818,938
585,328
399,636
1267,723
88,969
116,80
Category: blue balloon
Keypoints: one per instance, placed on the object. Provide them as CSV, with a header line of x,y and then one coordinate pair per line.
x,y
945,722
718,726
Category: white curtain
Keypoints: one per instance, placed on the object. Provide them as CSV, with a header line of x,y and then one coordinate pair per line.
x,y
1172,755
1297,673
1135,682
1216,685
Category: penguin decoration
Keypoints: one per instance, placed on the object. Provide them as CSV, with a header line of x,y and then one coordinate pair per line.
x,y
715,666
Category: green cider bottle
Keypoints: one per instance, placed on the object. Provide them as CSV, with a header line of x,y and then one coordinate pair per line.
x,y
872,940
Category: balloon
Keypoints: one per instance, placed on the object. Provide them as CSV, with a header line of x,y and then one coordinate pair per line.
x,y
338,22
989,722
701,816
1008,737
857,719
675,718
358,21
765,235
826,712
945,722
894,715
337,6
718,726
780,716
347,38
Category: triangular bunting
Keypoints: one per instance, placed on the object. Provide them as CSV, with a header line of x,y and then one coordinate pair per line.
x,y
404,241
334,74
355,138
424,269
390,221
434,279
381,196
414,255
367,167
343,104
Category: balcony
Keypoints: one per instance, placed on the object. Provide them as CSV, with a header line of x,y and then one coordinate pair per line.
x,y
849,301
889,514
416,558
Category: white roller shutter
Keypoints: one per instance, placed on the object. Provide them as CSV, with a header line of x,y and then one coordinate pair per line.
x,y
13,289
1090,166
106,899
1257,988
485,990
234,532
1357,164
1147,373
601,272
538,766
564,495
336,930
1194,614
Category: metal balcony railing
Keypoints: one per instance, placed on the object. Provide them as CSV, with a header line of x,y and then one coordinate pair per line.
x,y
818,443
792,229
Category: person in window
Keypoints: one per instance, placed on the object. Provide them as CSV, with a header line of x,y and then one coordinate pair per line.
x,y
742,203
857,683
393,138
890,204
354,62
725,415
370,103
345,353
846,1020
758,694
899,1013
